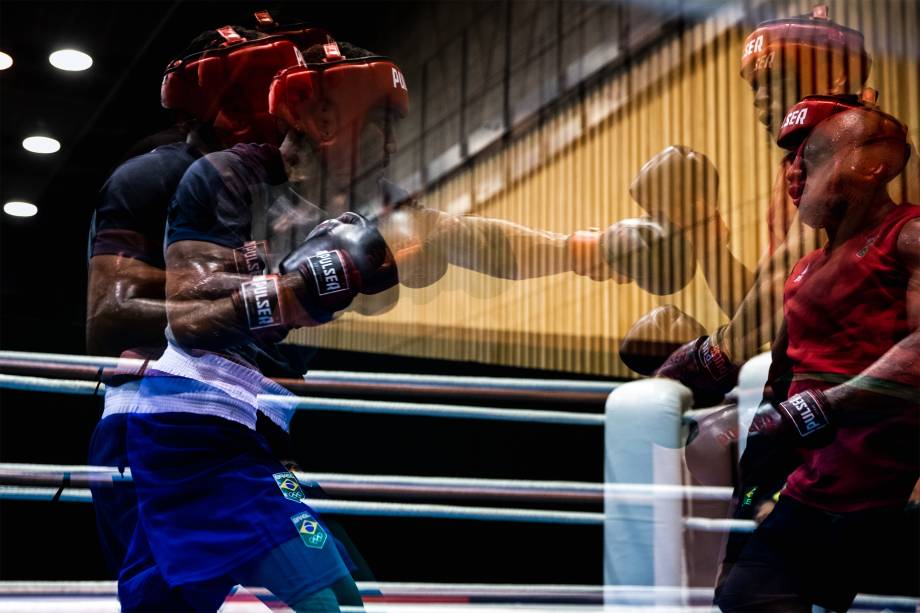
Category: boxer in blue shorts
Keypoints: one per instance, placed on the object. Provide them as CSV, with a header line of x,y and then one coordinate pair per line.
x,y
126,307
250,257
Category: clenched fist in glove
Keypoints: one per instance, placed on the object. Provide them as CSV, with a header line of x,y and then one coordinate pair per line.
x,y
339,259
679,185
655,336
415,236
585,250
804,420
653,254
704,367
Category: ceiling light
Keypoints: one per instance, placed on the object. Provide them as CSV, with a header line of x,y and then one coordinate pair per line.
x,y
5,60
20,209
41,144
70,59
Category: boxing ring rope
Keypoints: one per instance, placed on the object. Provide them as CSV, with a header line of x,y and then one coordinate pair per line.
x,y
361,508
324,382
394,509
349,484
67,386
526,597
656,412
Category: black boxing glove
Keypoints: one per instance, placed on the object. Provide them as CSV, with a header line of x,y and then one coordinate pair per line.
x,y
339,259
655,336
804,420
704,367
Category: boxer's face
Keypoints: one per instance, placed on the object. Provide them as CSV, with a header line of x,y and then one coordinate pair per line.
x,y
355,165
348,171
844,163
376,144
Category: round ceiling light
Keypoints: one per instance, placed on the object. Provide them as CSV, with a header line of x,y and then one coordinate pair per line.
x,y
41,144
70,60
17,208
6,60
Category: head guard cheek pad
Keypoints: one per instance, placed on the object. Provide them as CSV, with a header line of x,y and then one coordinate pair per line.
x,y
330,101
227,85
813,42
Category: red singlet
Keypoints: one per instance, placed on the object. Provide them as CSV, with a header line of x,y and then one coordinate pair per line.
x,y
844,310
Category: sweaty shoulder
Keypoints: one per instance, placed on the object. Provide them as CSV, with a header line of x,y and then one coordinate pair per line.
x,y
909,235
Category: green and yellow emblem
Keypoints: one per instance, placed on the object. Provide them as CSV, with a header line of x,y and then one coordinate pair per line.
x,y
311,533
289,486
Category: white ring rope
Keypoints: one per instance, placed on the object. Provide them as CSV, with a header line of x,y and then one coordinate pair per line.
x,y
634,594
433,410
56,475
361,508
389,509
56,386
79,360
506,383
66,386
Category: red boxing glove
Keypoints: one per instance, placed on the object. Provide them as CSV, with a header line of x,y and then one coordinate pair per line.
x,y
703,367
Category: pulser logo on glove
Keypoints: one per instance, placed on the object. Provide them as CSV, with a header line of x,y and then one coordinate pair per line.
x,y
804,410
260,297
328,272
252,258
714,360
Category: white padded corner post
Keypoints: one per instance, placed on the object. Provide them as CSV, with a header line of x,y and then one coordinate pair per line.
x,y
751,379
643,540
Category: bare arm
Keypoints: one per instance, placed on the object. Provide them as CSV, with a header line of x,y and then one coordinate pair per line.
x,y
493,247
125,305
501,248
760,314
728,278
201,279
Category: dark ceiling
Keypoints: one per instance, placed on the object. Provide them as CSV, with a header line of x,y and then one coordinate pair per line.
x,y
101,116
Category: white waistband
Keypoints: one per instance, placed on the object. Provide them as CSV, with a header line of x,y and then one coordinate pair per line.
x,y
240,388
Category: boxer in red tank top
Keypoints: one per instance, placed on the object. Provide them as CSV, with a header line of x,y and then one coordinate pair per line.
x,y
852,337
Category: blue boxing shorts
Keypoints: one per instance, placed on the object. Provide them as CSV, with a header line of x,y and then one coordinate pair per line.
x,y
214,506
116,511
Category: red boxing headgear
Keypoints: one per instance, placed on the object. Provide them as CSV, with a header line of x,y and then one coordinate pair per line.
x,y
329,101
816,45
804,116
227,85
810,112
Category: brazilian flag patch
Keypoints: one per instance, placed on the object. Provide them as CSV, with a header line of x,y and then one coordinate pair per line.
x,y
289,486
311,533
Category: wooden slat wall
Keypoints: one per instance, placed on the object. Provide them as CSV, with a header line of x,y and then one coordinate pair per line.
x,y
572,172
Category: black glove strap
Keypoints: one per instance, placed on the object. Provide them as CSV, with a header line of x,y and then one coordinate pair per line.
x,y
261,303
807,411
328,271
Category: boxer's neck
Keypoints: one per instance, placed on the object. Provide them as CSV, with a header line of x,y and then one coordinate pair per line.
x,y
859,217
